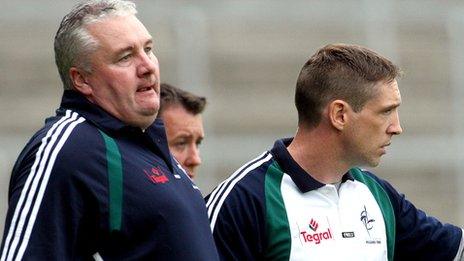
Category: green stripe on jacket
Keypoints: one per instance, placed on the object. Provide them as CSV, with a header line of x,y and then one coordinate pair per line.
x,y
383,200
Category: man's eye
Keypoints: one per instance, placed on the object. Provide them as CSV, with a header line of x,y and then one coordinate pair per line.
x,y
388,111
125,58
148,49
180,145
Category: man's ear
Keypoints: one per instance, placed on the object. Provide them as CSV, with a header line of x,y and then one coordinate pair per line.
x,y
79,81
338,113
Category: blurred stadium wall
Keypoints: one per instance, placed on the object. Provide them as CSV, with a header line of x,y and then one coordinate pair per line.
x,y
245,57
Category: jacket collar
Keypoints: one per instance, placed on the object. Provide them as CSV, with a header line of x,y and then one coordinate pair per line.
x,y
304,181
113,126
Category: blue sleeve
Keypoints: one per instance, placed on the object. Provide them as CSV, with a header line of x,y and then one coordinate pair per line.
x,y
238,224
52,213
419,236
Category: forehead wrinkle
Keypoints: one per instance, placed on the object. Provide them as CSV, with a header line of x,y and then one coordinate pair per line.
x,y
108,37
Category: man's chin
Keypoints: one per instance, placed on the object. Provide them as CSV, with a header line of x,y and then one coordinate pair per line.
x,y
151,111
191,173
143,121
370,163
374,163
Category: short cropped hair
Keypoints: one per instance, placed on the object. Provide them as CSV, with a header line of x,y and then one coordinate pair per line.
x,y
73,43
171,95
340,71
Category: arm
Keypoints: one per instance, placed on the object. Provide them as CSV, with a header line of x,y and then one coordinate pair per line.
x,y
418,236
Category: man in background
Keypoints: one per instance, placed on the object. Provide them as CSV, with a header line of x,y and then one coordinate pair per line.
x,y
98,181
181,112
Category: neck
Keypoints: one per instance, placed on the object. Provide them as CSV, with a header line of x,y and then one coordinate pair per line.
x,y
318,153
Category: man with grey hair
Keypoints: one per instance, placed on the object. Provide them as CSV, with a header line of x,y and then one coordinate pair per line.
x,y
98,181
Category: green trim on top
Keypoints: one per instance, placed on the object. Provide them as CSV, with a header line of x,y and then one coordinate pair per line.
x,y
115,177
383,200
278,231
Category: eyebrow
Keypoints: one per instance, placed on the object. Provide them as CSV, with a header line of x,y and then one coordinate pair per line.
x,y
392,106
187,136
149,41
184,136
131,47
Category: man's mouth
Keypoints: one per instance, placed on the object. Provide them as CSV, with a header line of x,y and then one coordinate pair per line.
x,y
386,145
146,88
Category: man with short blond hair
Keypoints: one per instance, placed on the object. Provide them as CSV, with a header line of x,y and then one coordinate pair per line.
x,y
307,198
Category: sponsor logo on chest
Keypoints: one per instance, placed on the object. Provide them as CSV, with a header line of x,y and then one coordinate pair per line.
x,y
368,224
156,175
315,235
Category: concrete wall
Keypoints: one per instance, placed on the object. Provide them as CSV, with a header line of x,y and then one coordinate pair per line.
x,y
245,56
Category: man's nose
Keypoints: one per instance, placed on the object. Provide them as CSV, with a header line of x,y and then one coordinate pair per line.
x,y
194,158
147,65
395,126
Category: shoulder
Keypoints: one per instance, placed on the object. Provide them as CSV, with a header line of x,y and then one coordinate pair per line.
x,y
373,181
247,179
76,141
244,187
53,157
64,143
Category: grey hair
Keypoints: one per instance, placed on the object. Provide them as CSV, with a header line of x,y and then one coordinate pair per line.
x,y
73,43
